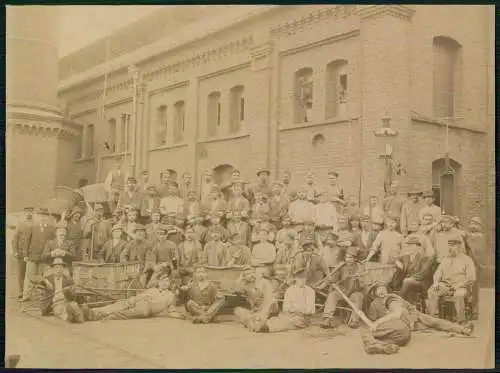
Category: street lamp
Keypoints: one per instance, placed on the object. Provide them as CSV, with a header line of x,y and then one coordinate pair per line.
x,y
388,136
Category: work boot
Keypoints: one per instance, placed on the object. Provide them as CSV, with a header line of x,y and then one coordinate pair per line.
x,y
354,324
468,329
329,323
197,320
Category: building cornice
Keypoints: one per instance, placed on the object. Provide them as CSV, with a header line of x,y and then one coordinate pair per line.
x,y
335,12
43,126
333,39
366,12
184,38
159,91
225,71
455,123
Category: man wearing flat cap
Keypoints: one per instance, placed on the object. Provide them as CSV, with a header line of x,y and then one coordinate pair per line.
x,y
136,249
393,203
96,231
334,191
308,258
446,232
130,196
150,202
41,233
414,270
429,206
112,249
455,276
299,305
262,186
20,244
351,282
410,213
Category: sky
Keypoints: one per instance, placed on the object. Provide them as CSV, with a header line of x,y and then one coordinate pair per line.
x,y
83,24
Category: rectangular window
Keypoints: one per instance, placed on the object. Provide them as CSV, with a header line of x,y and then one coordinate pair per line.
x,y
123,133
162,125
112,135
218,113
79,146
90,140
179,121
342,88
242,109
213,113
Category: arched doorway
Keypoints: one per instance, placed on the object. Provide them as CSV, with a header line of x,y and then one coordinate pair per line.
x,y
445,183
222,173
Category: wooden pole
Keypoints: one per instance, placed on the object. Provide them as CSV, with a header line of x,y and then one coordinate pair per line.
x,y
355,309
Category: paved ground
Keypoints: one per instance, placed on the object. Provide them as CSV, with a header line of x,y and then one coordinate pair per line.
x,y
167,343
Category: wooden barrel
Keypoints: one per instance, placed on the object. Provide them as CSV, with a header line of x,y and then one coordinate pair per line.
x,y
376,272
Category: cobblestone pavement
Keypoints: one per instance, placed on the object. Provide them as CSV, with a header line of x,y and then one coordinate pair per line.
x,y
168,343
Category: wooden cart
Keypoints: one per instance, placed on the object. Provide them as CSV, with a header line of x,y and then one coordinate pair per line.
x,y
101,283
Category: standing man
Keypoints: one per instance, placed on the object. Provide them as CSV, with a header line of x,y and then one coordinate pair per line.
x,y
335,193
410,214
130,196
389,243
116,178
186,185
429,207
42,232
263,186
97,231
285,180
171,203
20,245
278,205
149,203
143,184
393,203
477,249
377,212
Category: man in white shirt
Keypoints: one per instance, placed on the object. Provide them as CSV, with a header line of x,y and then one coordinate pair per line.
x,y
325,215
377,211
115,178
299,305
171,203
389,243
454,277
300,210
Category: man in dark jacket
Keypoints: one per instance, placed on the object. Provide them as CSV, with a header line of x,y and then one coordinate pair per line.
x,y
41,233
20,244
59,247
60,294
414,270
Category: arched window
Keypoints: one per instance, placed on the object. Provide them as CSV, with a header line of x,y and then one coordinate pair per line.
x,y
161,125
237,108
112,135
179,121
336,88
447,77
213,113
303,95
90,141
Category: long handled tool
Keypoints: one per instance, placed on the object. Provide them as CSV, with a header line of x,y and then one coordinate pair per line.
x,y
335,270
358,312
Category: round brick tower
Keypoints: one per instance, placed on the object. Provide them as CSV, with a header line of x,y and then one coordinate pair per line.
x,y
38,139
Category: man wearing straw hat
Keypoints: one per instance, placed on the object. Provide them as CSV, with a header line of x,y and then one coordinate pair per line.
x,y
299,305
259,294
59,295
41,233
350,280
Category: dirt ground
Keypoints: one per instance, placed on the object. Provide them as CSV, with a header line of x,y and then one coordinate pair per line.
x,y
168,343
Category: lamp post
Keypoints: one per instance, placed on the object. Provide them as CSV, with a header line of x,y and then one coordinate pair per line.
x,y
388,136
136,77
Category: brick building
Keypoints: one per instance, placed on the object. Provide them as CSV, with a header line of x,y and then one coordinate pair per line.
x,y
295,88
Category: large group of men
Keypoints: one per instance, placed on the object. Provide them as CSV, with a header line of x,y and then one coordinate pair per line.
x,y
315,240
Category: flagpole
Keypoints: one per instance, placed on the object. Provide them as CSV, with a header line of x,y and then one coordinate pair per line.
x,y
103,101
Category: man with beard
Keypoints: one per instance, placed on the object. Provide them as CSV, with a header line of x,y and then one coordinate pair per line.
x,y
20,244
204,299
455,277
308,258
393,321
413,270
59,248
41,233
59,295
97,231
259,294
112,249
446,233
350,280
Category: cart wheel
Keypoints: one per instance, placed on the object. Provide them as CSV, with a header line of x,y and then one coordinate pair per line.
x,y
133,287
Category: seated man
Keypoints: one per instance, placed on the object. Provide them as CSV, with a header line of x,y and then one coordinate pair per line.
x,y
298,306
393,321
204,299
237,253
455,276
413,269
149,303
112,249
308,257
59,295
350,280
260,296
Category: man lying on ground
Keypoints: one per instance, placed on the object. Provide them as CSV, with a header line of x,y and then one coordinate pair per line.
x,y
159,298
393,321
204,300
260,296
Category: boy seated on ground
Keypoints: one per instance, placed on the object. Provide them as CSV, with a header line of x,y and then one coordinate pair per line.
x,y
204,299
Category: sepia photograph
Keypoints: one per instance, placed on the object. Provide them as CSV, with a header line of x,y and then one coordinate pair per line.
x,y
250,186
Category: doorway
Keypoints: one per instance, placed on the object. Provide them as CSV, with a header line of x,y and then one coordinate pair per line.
x,y
445,184
222,173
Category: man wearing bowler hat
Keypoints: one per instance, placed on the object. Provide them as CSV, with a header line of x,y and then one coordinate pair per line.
x,y
410,214
20,244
